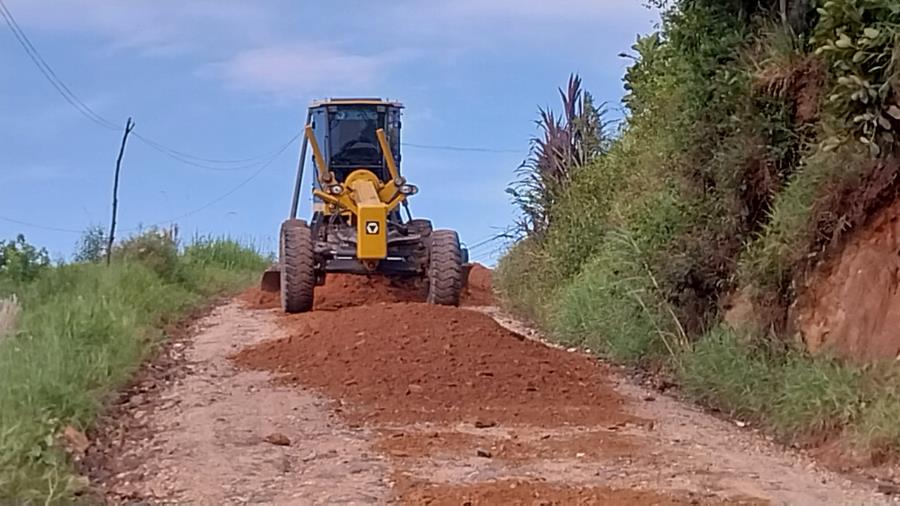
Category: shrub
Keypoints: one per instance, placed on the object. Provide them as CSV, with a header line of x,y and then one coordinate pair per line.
x,y
92,245
860,39
157,249
21,262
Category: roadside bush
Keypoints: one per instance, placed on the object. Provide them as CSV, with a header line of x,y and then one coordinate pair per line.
x,y
610,308
527,280
20,262
92,245
224,253
753,146
860,40
155,248
83,330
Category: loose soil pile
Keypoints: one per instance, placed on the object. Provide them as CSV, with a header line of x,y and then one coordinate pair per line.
x,y
479,289
349,290
411,362
851,307
545,494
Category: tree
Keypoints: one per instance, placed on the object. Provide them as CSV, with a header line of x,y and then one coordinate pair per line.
x,y
92,245
21,262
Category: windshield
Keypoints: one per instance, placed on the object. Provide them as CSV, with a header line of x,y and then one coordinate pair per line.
x,y
353,139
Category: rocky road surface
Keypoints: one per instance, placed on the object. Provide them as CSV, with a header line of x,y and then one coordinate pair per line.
x,y
375,398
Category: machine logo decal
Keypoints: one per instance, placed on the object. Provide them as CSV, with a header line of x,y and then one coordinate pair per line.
x,y
372,227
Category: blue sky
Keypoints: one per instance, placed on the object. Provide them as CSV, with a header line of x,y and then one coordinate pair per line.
x,y
231,80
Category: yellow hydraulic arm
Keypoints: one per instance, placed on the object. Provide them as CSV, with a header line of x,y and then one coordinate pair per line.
x,y
363,195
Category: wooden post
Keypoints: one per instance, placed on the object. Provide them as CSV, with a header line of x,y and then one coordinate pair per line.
x,y
129,126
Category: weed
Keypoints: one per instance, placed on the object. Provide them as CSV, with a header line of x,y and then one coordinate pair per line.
x,y
794,395
9,315
83,330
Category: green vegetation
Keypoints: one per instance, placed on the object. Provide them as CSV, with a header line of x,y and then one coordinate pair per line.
x,y
755,141
83,330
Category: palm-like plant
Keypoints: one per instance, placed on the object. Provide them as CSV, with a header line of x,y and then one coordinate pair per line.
x,y
565,145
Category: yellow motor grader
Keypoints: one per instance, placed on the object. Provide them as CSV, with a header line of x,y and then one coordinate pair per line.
x,y
357,225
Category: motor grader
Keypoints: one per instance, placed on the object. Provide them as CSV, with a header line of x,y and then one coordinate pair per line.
x,y
357,226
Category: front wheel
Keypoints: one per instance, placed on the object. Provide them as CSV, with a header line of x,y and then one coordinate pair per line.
x,y
445,269
298,267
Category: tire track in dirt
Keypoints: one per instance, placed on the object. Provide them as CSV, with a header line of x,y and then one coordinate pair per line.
x,y
219,435
468,410
382,399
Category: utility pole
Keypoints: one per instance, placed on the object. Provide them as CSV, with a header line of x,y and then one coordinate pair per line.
x,y
129,126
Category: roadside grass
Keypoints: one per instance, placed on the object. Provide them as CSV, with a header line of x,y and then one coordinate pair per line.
x,y
738,169
603,308
82,332
797,396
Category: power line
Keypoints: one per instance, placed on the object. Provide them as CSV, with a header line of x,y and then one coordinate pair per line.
x,y
503,234
192,212
69,96
228,193
460,148
186,159
180,156
39,227
48,72
186,156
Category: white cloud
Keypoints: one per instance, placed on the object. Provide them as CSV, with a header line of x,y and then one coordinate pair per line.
x,y
274,49
300,70
151,26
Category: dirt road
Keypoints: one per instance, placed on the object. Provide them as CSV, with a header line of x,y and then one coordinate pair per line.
x,y
375,398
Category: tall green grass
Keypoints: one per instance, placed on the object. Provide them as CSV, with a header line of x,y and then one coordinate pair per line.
x,y
795,395
83,331
724,181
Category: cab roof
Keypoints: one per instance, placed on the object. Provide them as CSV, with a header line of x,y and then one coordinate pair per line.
x,y
355,101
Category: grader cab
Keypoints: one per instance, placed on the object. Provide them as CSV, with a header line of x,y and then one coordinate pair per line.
x,y
357,225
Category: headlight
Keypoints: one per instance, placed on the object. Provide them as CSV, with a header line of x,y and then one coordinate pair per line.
x,y
409,189
336,189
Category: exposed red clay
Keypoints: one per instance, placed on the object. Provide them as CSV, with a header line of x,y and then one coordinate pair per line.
x,y
850,307
348,290
418,362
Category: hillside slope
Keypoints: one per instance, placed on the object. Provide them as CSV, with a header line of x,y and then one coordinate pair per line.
x,y
737,233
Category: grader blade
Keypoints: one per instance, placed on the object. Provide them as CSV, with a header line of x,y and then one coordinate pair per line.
x,y
271,279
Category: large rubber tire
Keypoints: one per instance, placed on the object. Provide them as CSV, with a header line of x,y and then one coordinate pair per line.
x,y
298,267
419,226
445,271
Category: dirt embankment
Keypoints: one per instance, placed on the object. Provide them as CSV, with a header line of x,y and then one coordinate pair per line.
x,y
851,306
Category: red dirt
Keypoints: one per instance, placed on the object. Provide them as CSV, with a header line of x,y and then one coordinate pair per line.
x,y
254,298
409,362
479,289
514,492
850,307
348,290
591,446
